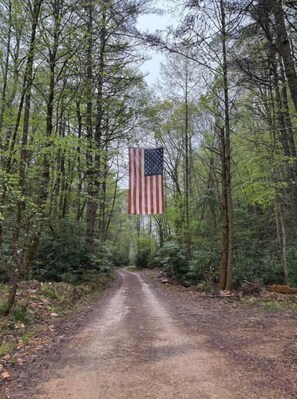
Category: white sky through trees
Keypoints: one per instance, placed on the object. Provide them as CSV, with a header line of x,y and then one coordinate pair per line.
x,y
150,23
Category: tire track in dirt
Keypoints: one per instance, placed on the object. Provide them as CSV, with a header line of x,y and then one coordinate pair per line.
x,y
135,348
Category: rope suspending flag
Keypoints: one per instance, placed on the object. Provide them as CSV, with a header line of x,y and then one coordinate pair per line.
x,y
146,188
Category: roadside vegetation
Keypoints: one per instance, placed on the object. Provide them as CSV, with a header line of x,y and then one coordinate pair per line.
x,y
73,99
41,309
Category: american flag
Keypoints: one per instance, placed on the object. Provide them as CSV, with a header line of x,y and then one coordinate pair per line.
x,y
146,189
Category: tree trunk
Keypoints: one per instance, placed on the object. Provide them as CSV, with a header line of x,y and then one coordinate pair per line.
x,y
26,97
79,172
283,241
226,261
92,189
96,172
187,170
284,48
32,246
5,74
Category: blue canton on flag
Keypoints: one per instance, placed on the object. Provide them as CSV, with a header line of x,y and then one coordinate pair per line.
x,y
153,161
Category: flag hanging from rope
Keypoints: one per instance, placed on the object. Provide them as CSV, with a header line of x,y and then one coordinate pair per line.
x,y
146,188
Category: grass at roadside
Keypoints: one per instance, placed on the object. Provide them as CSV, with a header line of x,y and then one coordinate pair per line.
x,y
272,302
39,307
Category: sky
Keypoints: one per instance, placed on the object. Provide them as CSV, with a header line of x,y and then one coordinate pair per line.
x,y
150,23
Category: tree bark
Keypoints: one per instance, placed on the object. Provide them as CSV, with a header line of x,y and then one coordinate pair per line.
x,y
95,166
32,246
16,274
2,110
226,261
284,48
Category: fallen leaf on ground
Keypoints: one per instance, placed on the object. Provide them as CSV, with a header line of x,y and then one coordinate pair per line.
x,y
6,375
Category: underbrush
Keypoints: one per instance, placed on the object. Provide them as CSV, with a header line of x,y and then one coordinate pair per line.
x,y
37,308
272,302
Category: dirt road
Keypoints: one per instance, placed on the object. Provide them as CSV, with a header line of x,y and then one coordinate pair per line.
x,y
143,342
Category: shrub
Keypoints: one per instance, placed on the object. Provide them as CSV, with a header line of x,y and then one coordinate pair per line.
x,y
146,250
119,258
172,256
60,251
20,313
255,267
5,263
292,264
204,265
62,255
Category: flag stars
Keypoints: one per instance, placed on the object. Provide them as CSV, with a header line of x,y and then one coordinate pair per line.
x,y
153,161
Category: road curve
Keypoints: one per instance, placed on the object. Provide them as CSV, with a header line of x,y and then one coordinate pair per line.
x,y
135,348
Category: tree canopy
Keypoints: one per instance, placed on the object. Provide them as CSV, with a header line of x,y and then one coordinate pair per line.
x,y
73,98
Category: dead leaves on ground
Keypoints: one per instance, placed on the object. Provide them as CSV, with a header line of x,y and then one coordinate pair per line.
x,y
31,326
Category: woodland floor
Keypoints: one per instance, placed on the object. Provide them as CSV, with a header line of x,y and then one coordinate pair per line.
x,y
146,339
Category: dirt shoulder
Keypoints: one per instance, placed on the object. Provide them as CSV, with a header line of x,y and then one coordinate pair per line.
x,y
257,335
45,317
146,339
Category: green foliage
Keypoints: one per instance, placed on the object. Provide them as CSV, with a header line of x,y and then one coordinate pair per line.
x,y
256,258
119,258
6,347
204,265
173,258
100,261
62,255
20,313
292,264
5,263
3,307
60,251
146,250
81,168
256,267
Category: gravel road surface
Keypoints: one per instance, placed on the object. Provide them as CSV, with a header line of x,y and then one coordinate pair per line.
x,y
142,341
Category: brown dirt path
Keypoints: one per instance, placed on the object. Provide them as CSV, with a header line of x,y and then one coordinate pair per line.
x,y
149,341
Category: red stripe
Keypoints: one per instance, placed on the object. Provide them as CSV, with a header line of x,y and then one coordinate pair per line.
x,y
136,154
130,183
163,195
145,211
145,195
135,181
141,176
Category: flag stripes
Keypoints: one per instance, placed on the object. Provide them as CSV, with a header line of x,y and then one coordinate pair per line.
x,y
146,193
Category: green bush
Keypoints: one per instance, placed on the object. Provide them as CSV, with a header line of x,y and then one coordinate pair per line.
x,y
20,313
119,258
204,265
100,260
62,255
146,250
172,256
256,267
292,264
5,263
60,251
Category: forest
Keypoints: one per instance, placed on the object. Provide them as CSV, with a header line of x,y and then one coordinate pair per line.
x,y
73,98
